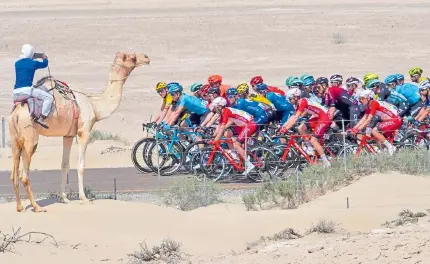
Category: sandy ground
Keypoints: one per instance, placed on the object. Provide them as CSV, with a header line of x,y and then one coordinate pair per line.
x,y
111,229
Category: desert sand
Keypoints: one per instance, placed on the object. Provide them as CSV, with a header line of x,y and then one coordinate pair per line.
x,y
110,229
187,41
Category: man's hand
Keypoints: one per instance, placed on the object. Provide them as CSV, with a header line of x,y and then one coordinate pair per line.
x,y
44,56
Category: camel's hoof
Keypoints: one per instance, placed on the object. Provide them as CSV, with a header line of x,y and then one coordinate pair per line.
x,y
39,209
64,200
19,208
84,201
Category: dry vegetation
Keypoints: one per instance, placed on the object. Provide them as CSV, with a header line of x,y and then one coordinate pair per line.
x,y
405,217
168,251
99,135
7,241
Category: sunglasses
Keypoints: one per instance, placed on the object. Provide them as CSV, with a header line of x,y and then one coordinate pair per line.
x,y
161,91
230,96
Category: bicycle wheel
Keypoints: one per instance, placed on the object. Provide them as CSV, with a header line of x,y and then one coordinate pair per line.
x,y
213,164
141,166
168,157
265,162
192,157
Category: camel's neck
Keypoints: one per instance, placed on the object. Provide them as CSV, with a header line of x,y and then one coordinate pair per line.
x,y
105,104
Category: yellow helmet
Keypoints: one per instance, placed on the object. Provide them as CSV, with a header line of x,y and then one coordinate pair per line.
x,y
160,85
416,70
368,77
422,78
242,88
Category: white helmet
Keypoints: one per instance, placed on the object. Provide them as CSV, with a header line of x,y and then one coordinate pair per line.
x,y
219,101
424,85
294,92
369,94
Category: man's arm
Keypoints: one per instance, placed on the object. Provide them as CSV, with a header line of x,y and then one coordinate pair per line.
x,y
175,114
365,120
207,119
291,121
43,64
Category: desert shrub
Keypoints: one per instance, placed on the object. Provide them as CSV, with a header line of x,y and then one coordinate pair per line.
x,y
405,217
285,234
168,251
99,135
322,227
338,38
189,193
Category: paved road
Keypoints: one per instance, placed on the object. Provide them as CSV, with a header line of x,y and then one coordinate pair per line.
x,y
127,179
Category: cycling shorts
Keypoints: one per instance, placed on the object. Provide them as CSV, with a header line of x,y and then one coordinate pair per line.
x,y
246,131
197,119
319,125
389,127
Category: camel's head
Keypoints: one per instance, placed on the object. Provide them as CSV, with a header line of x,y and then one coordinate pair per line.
x,y
131,60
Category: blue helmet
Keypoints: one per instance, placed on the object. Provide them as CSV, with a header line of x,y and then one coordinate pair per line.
x,y
174,87
261,87
308,81
231,91
390,79
296,83
400,77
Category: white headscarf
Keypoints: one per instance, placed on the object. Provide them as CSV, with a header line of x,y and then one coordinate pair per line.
x,y
27,52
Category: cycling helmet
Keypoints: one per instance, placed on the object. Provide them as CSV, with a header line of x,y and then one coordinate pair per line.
x,y
400,77
296,83
174,87
242,88
231,91
424,85
219,101
422,78
288,80
322,80
160,85
294,92
390,79
215,79
213,90
372,84
308,81
306,76
261,87
415,70
369,94
256,80
369,76
352,80
205,89
336,78
196,87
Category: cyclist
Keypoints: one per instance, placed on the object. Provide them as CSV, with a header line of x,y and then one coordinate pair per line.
x,y
215,81
390,120
244,126
394,97
352,86
197,108
283,108
308,84
415,74
319,122
258,79
422,112
400,79
257,110
195,89
338,98
336,80
243,92
369,76
161,89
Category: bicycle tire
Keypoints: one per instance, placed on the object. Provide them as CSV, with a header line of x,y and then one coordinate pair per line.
x,y
140,167
169,169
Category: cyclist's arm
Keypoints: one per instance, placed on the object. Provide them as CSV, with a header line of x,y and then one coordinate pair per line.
x,y
422,114
208,119
175,114
331,111
220,130
292,120
163,115
364,121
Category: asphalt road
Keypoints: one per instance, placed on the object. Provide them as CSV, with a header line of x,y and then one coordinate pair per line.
x,y
102,180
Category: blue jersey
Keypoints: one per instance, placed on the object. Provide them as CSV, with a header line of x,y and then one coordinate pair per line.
x,y
249,106
395,98
410,91
25,69
280,102
193,104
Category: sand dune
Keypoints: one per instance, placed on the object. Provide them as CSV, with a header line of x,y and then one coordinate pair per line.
x,y
111,229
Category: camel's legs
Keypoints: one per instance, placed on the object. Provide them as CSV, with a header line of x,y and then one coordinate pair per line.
x,y
28,151
83,143
65,166
16,156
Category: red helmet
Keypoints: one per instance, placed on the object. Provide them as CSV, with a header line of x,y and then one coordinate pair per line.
x,y
205,89
214,79
256,80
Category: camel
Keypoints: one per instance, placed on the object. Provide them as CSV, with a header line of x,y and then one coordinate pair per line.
x,y
67,119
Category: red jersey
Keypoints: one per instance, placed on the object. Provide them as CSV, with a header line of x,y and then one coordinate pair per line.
x,y
312,107
382,109
238,117
274,89
338,95
223,89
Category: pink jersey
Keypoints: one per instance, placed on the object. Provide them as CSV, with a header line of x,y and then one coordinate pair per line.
x,y
313,107
382,109
238,117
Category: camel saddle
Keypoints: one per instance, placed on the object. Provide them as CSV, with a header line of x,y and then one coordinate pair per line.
x,y
35,105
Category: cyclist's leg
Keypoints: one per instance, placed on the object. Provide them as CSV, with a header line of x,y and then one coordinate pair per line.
x,y
245,132
386,128
319,127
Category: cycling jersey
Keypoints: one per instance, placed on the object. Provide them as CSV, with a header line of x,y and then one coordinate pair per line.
x,y
261,99
283,108
336,96
274,89
193,104
410,91
388,114
167,102
223,89
398,100
321,120
257,110
244,122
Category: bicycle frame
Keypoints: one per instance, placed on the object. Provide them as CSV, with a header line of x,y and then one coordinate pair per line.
x,y
364,143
